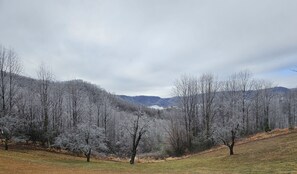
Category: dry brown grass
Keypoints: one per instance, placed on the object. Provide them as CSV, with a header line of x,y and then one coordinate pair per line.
x,y
265,135
273,152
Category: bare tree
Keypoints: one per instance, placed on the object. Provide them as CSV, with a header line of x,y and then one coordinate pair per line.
x,y
229,123
138,129
57,107
209,88
186,90
105,112
14,68
289,107
267,96
3,78
45,77
245,85
176,135
229,101
9,69
257,105
32,112
74,102
228,134
97,97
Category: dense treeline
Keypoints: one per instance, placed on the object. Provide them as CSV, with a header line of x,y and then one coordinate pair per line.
x,y
74,115
85,119
213,111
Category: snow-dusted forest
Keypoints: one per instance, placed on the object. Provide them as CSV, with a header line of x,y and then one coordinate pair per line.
x,y
85,119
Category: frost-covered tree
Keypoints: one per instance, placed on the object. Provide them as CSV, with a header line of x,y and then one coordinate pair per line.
x,y
12,128
9,70
74,102
267,97
228,133
186,90
289,105
208,91
137,128
257,106
57,107
176,135
229,122
85,138
45,78
84,118
244,86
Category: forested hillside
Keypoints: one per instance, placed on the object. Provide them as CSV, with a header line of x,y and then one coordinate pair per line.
x,y
85,119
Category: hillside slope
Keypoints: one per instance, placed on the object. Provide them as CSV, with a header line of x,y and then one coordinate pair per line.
x,y
276,154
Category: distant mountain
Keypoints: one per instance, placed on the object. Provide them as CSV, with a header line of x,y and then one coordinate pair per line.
x,y
150,101
159,103
280,89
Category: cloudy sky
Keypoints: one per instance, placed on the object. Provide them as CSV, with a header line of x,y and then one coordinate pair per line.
x,y
139,47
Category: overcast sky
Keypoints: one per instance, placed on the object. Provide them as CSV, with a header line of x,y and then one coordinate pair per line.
x,y
139,47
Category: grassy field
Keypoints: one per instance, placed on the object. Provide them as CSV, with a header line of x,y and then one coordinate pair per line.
x,y
276,154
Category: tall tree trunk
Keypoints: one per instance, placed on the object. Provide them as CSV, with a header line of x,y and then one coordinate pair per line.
x,y
136,135
133,156
231,149
88,155
233,136
6,144
3,94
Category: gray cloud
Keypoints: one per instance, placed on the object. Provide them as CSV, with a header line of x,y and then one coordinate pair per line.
x,y
140,47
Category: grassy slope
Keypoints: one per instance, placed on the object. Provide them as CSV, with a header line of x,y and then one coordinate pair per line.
x,y
273,155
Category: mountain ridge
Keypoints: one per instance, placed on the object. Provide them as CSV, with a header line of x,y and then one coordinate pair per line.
x,y
152,101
